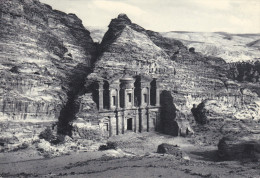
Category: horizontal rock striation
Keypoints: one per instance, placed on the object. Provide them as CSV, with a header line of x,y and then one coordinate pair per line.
x,y
42,51
189,76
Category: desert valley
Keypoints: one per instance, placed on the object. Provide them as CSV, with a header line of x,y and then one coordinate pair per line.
x,y
124,101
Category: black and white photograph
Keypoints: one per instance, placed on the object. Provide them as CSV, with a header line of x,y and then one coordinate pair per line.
x,y
130,88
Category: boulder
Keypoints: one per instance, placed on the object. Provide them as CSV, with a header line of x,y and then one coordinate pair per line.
x,y
232,148
170,149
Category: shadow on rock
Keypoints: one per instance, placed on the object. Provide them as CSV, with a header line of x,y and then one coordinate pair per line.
x,y
210,155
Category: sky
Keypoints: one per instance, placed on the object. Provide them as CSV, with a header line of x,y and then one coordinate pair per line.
x,y
233,16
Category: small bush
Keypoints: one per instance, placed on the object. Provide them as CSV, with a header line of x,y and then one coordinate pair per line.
x,y
14,70
21,147
108,146
192,50
47,135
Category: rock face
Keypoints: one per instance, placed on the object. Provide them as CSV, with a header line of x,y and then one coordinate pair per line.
x,y
42,51
246,71
47,54
86,126
189,76
216,119
212,108
230,148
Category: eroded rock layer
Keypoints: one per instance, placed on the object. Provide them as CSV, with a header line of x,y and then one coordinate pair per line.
x,y
43,52
190,76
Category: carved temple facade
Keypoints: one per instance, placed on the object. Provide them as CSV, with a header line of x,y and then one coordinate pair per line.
x,y
129,104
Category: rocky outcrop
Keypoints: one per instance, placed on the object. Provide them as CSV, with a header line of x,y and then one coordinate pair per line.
x,y
216,119
225,109
245,148
246,71
43,61
189,76
87,124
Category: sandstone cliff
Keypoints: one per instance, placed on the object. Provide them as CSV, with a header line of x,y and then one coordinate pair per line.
x,y
190,76
45,56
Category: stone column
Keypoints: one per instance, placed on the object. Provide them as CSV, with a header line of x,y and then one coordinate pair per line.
x,y
123,122
157,95
110,100
100,96
148,96
133,98
110,127
141,98
117,123
125,98
148,120
140,120
117,98
136,121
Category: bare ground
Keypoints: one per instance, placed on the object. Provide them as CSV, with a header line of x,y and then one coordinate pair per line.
x,y
136,157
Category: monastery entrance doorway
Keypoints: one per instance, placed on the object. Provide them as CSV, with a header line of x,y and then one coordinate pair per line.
x,y
130,124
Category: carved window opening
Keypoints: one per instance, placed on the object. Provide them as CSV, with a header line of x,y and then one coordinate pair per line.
x,y
129,97
114,100
106,126
145,98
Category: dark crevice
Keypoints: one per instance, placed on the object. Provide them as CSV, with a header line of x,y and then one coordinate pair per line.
x,y
71,108
76,87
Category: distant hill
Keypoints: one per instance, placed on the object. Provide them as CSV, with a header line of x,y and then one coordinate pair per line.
x,y
96,33
230,47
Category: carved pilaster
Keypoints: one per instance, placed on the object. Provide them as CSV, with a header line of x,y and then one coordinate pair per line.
x,y
110,100
148,121
157,94
123,122
133,98
140,120
148,96
100,95
125,98
117,123
141,98
110,127
157,97
117,98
